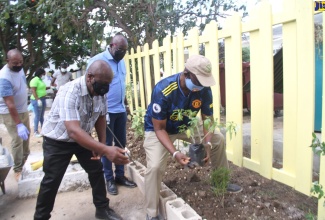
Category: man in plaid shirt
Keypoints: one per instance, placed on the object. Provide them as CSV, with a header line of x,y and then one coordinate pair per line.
x,y
79,106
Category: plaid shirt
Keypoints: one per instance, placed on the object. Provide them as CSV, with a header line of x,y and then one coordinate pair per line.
x,y
73,103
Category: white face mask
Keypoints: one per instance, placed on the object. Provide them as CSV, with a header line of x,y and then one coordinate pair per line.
x,y
43,77
63,70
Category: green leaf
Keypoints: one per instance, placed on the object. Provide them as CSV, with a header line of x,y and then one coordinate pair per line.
x,y
6,15
188,133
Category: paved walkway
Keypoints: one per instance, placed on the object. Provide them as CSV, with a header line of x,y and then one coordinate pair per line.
x,y
70,205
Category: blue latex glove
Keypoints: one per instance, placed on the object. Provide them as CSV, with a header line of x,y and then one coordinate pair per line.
x,y
22,131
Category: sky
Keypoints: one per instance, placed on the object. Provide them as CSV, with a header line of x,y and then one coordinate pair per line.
x,y
276,5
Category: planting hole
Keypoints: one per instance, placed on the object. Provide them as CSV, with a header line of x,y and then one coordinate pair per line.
x,y
187,214
165,193
177,204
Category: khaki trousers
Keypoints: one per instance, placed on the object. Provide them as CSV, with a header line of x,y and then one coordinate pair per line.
x,y
156,156
19,147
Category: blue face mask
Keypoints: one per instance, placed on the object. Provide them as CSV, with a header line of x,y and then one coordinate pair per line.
x,y
191,86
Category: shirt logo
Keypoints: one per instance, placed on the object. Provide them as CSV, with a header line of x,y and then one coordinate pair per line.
x,y
156,108
196,103
173,118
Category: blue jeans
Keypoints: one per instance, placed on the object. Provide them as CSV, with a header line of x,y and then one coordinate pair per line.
x,y
38,112
118,126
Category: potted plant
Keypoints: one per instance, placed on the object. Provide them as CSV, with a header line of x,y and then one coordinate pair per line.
x,y
196,148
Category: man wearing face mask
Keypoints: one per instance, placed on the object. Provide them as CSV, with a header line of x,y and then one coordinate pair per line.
x,y
61,77
188,90
79,106
117,110
13,108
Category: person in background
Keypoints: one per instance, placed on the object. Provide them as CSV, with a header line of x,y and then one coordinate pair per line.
x,y
13,108
48,76
61,77
79,106
52,90
38,98
187,90
117,110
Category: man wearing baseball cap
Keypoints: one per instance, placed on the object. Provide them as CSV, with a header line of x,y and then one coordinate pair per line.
x,y
187,90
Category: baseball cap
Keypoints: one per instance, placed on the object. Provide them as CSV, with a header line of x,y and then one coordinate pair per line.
x,y
201,67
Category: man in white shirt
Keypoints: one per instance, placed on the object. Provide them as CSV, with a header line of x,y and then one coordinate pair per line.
x,y
13,108
62,76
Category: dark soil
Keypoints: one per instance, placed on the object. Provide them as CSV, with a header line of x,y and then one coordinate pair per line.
x,y
261,198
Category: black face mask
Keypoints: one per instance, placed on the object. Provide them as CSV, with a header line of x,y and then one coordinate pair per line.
x,y
100,89
16,68
119,54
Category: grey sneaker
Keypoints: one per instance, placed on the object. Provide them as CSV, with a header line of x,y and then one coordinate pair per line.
x,y
36,134
233,188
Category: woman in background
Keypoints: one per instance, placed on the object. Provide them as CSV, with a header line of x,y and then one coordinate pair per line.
x,y
38,88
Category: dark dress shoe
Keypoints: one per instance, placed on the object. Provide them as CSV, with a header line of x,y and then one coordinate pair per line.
x,y
111,187
122,180
107,213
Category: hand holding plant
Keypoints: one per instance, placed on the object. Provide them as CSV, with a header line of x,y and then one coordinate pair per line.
x,y
182,158
199,152
207,148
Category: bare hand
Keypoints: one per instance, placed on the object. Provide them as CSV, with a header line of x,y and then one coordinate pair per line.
x,y
207,148
116,155
182,158
95,156
128,112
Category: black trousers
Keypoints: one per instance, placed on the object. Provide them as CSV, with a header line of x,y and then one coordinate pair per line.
x,y
57,156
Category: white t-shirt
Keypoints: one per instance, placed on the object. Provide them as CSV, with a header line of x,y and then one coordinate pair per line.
x,y
13,84
61,79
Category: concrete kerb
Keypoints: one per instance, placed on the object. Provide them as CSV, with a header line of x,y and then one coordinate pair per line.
x,y
136,173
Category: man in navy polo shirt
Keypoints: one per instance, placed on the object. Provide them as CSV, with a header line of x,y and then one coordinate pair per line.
x,y
188,90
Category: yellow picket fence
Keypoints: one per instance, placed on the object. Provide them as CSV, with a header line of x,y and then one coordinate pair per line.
x,y
297,20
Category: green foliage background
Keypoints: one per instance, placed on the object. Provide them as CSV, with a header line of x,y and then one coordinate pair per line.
x,y
73,30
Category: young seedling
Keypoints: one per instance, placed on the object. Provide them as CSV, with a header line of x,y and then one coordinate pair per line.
x,y
219,180
197,151
138,122
193,125
319,149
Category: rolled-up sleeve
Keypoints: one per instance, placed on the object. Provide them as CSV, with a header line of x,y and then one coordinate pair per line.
x,y
6,88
